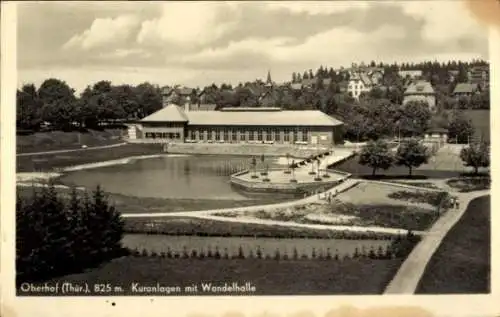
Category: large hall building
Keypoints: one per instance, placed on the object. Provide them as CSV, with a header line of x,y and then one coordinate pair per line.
x,y
267,125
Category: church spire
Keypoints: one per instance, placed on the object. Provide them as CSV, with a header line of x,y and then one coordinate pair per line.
x,y
269,81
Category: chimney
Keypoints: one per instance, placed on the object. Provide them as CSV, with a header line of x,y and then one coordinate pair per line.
x,y
187,104
165,97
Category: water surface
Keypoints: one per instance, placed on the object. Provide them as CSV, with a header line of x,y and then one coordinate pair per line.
x,y
172,177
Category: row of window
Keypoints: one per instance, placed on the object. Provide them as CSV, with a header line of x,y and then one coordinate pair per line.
x,y
163,135
265,134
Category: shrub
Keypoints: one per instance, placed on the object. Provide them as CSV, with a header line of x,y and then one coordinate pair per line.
x,y
318,179
209,253
259,253
277,255
380,253
293,180
185,253
295,254
266,180
56,235
169,253
328,254
217,253
144,252
371,253
194,254
226,253
356,253
241,254
313,254
162,254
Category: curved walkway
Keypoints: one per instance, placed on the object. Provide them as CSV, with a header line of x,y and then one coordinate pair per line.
x,y
71,150
211,214
407,278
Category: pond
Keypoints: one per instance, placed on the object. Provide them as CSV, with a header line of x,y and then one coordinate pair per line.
x,y
268,246
170,177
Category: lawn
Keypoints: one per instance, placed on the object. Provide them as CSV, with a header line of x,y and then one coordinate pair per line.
x,y
50,161
481,122
429,171
58,140
270,277
130,204
366,204
461,264
214,228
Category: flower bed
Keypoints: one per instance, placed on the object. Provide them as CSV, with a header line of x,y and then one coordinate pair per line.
x,y
470,184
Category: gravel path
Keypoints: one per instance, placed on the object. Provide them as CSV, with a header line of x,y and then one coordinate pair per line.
x,y
407,278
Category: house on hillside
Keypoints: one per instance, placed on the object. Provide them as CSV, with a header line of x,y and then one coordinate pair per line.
x,y
465,90
452,75
480,75
358,84
296,86
413,74
376,75
420,91
308,83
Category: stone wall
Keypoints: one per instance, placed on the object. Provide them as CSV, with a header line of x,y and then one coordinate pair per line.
x,y
244,149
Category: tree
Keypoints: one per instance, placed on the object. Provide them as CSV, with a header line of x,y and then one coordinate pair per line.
x,y
28,108
476,156
56,235
460,128
415,118
253,165
411,154
58,103
376,154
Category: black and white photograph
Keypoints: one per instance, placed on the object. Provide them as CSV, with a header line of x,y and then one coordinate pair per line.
x,y
232,148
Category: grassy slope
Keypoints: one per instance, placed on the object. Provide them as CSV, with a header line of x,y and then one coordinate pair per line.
x,y
49,161
461,264
58,140
481,122
270,277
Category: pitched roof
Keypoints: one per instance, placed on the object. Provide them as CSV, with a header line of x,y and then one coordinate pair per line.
x,y
185,91
365,78
296,86
308,82
465,88
171,113
166,90
244,117
419,88
203,107
267,118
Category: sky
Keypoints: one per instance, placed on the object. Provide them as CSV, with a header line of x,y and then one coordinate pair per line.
x,y
200,43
